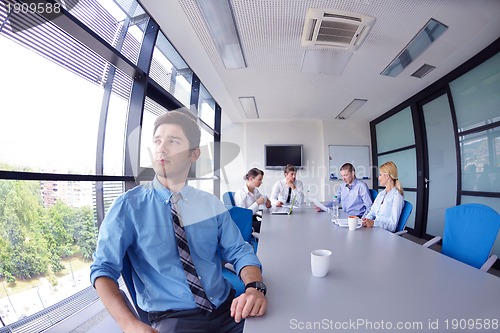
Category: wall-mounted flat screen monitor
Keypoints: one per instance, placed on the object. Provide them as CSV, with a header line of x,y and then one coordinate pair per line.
x,y
277,156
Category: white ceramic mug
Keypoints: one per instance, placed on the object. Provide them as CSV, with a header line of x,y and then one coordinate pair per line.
x,y
352,221
320,262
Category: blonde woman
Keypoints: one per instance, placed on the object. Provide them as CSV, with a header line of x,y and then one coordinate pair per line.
x,y
388,204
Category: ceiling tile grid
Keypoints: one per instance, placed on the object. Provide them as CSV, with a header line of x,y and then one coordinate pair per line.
x,y
270,32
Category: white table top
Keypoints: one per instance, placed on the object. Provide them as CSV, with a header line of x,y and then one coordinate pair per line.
x,y
376,279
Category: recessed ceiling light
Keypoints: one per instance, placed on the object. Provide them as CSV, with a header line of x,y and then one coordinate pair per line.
x,y
249,107
220,22
351,108
422,40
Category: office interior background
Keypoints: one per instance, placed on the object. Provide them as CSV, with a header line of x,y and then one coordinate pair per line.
x,y
83,85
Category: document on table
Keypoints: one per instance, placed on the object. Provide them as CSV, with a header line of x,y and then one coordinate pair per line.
x,y
320,205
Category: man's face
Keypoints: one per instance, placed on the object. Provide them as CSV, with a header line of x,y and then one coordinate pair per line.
x,y
171,150
347,176
291,176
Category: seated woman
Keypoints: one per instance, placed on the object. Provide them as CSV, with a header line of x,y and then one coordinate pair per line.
x,y
250,197
388,204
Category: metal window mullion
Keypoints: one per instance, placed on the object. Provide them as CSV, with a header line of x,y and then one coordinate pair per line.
x,y
136,105
101,132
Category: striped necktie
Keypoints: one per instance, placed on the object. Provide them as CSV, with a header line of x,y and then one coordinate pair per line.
x,y
187,263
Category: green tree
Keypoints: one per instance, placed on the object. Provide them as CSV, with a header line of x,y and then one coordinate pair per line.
x,y
28,262
26,251
5,262
60,224
34,239
85,231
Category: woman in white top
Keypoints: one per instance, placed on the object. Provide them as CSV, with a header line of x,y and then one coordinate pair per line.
x,y
250,197
388,204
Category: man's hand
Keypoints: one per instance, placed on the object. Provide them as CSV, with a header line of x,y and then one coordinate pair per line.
x,y
252,303
367,222
140,327
279,204
113,301
291,184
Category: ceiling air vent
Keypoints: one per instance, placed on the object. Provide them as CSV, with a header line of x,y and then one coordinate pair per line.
x,y
423,70
335,28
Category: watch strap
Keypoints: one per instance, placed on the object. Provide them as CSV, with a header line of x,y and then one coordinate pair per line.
x,y
260,286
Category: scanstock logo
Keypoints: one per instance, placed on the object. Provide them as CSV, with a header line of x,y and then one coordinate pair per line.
x,y
26,14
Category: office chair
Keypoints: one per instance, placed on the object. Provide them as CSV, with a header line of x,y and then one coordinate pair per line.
x,y
373,194
228,199
242,217
403,218
127,273
469,233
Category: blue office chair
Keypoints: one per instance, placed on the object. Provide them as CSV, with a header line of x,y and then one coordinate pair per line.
x,y
242,217
403,218
373,194
469,233
228,199
127,273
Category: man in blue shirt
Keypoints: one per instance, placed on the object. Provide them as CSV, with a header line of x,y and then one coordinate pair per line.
x,y
354,194
139,224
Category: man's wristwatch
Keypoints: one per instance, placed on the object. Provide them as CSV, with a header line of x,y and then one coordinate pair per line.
x,y
260,286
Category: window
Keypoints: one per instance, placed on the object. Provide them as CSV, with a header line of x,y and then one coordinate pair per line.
x,y
62,144
206,106
480,154
395,132
475,95
151,111
170,71
477,108
47,125
47,240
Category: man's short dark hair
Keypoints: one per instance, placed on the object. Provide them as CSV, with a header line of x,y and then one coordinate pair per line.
x,y
184,120
290,168
347,166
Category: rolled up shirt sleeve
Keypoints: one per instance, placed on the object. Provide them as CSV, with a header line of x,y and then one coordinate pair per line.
x,y
233,248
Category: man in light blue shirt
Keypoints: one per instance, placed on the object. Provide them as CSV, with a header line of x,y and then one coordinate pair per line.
x,y
354,194
139,224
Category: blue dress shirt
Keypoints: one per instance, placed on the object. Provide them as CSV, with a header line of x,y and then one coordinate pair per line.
x,y
139,223
355,199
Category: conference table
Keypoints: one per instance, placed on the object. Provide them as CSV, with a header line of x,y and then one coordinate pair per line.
x,y
377,282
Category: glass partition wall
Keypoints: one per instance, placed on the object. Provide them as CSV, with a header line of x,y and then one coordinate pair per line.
x,y
396,142
75,133
446,143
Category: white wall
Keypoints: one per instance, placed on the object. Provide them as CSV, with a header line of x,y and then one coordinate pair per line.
x,y
315,135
